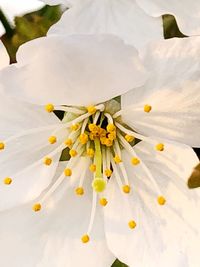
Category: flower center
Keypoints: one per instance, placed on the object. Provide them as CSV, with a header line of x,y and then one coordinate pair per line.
x,y
96,133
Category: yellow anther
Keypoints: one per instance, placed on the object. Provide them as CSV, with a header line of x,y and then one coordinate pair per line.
x,y
135,161
47,161
108,142
92,136
110,127
68,142
129,138
117,159
73,153
2,146
37,207
79,191
68,172
93,127
7,181
102,132
90,152
108,172
83,138
147,108
74,127
160,147
103,140
112,136
85,238
161,200
92,168
126,189
99,185
49,108
132,224
52,139
91,109
103,202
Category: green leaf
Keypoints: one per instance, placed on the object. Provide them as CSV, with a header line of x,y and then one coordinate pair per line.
x,y
171,28
118,263
29,27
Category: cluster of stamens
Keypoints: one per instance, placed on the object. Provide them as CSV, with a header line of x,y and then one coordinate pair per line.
x,y
97,134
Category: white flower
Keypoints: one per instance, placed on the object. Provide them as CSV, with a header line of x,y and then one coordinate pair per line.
x,y
66,3
13,8
186,12
80,74
123,18
4,58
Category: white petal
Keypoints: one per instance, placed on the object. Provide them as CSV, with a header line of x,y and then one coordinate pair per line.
x,y
164,234
172,91
185,11
66,3
74,70
4,58
123,18
52,236
22,159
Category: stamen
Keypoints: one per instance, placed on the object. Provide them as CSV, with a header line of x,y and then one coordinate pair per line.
x,y
2,145
130,133
90,152
74,127
132,224
85,238
110,119
70,109
92,168
52,139
83,138
103,202
160,147
84,125
73,153
126,189
96,117
68,172
135,161
47,161
161,200
7,181
91,109
147,108
68,142
49,107
129,138
37,207
117,159
93,211
79,191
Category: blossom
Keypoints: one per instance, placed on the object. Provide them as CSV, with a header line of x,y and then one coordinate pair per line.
x,y
13,8
186,12
3,56
123,191
122,18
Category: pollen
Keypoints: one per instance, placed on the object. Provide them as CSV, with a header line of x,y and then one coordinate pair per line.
x,y
103,202
85,238
68,172
91,109
99,185
161,200
73,153
108,142
68,142
47,161
111,127
90,152
83,138
160,147
117,159
52,139
37,207
49,107
2,145
93,127
147,108
112,136
74,127
126,189
129,138
7,181
132,224
92,168
135,161
108,172
79,191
